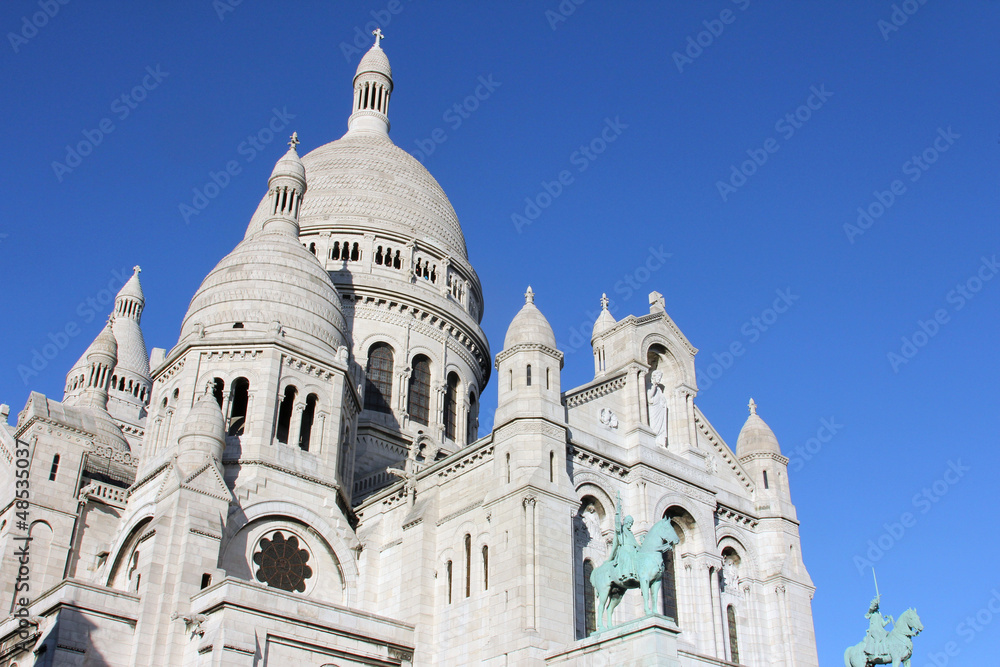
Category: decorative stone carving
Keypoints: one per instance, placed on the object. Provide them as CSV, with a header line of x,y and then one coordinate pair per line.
x,y
608,418
657,399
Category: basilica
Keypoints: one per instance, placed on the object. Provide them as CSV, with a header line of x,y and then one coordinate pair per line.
x,y
299,480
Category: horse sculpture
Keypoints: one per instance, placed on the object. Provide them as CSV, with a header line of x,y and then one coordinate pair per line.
x,y
898,645
610,586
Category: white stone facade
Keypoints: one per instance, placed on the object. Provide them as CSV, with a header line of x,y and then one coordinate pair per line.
x,y
299,480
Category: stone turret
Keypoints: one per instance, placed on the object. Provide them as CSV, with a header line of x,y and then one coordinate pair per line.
x,y
529,367
88,381
759,453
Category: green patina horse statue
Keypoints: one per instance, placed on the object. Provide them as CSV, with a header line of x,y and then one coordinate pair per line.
x,y
610,584
897,647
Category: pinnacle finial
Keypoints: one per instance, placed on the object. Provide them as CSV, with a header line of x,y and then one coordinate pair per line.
x,y
529,296
753,407
604,301
136,269
378,37
209,387
293,142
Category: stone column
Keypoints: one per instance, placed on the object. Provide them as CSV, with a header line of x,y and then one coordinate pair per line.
x,y
643,400
462,427
692,429
247,423
296,424
318,435
529,570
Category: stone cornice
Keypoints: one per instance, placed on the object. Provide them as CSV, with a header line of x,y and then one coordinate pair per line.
x,y
506,353
592,391
783,460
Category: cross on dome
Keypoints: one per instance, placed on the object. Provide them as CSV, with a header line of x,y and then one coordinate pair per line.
x,y
378,37
136,269
529,296
753,407
293,142
604,301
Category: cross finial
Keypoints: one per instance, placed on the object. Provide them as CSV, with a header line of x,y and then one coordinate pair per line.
x,y
293,142
604,301
136,269
753,407
529,296
378,37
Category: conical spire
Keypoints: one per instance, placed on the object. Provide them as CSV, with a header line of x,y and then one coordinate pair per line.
x,y
529,325
372,89
90,377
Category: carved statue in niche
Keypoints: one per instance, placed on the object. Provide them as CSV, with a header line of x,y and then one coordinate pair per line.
x,y
730,576
657,399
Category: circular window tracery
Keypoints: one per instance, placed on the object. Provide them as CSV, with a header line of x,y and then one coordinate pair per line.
x,y
282,563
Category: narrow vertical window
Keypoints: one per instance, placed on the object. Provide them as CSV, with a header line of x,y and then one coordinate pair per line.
x,y
285,413
308,417
486,568
378,379
451,407
510,383
468,565
448,570
239,401
508,468
472,430
766,485
734,647
420,391
552,466
54,469
528,375
547,381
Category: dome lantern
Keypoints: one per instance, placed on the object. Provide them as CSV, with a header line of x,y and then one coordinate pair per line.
x,y
372,88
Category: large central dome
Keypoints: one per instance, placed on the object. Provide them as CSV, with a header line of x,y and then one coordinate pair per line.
x,y
364,175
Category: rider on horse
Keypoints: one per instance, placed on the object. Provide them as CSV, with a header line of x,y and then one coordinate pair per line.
x,y
624,548
875,639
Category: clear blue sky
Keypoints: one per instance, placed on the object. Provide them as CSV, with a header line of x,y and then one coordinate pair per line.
x,y
879,97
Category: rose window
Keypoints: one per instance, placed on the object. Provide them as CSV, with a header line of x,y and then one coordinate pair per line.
x,y
282,563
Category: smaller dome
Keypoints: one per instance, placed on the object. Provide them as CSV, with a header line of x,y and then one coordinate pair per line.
x,y
205,419
290,165
105,342
756,436
605,320
374,61
106,431
529,326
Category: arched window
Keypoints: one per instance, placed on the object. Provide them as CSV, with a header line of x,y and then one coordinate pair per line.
x,y
468,565
218,386
734,647
589,603
420,390
472,429
308,416
528,375
486,568
451,406
238,403
285,413
378,379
